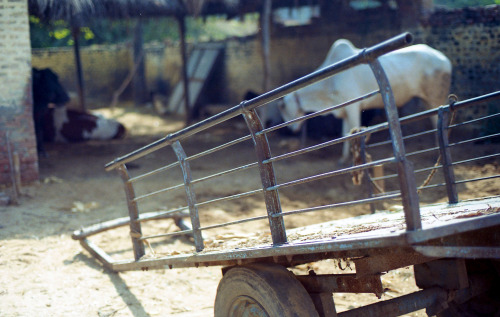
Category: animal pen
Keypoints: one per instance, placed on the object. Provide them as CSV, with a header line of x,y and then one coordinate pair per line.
x,y
454,246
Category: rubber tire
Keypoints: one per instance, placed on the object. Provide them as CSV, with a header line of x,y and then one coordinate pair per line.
x,y
486,304
262,290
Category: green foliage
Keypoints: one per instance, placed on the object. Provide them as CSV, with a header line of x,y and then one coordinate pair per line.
x,y
105,31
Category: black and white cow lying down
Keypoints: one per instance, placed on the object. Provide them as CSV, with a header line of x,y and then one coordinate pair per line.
x,y
55,123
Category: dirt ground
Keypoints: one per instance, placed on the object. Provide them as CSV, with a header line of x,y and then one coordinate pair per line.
x,y
43,272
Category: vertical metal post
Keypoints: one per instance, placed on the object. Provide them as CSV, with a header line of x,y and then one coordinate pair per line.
x,y
268,179
406,174
135,226
191,197
442,132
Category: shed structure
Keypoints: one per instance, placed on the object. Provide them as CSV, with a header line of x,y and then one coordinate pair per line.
x,y
17,135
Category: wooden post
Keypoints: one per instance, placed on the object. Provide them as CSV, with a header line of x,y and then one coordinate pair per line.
x,y
75,32
182,32
139,80
265,22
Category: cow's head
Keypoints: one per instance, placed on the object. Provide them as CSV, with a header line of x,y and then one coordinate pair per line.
x,y
47,89
291,109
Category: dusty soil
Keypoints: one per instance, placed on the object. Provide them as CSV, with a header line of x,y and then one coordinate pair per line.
x,y
43,272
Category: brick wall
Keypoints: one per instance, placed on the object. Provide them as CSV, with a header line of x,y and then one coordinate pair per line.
x,y
16,121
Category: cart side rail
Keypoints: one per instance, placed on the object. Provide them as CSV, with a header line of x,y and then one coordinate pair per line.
x,y
270,184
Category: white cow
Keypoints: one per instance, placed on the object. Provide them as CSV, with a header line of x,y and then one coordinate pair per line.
x,y
414,71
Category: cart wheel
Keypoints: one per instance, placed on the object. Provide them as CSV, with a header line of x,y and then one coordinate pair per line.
x,y
485,304
262,290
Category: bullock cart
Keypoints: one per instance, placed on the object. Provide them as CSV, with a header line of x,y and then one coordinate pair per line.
x,y
453,244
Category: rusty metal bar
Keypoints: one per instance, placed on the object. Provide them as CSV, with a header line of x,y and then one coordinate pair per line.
x,y
341,283
449,176
387,261
135,226
191,197
268,179
407,180
462,252
98,253
431,297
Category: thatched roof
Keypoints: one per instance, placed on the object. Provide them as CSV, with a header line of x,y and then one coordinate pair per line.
x,y
77,12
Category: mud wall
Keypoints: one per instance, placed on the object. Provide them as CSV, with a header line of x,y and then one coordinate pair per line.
x,y
469,37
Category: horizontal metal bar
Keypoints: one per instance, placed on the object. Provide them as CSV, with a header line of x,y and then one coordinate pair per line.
x,y
431,186
316,147
168,234
160,214
468,224
422,151
318,113
163,190
462,252
411,136
237,169
218,148
193,157
236,222
433,112
364,56
331,174
344,248
401,305
475,139
477,179
430,168
477,100
343,204
153,172
476,159
457,105
120,222
341,283
474,120
226,198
